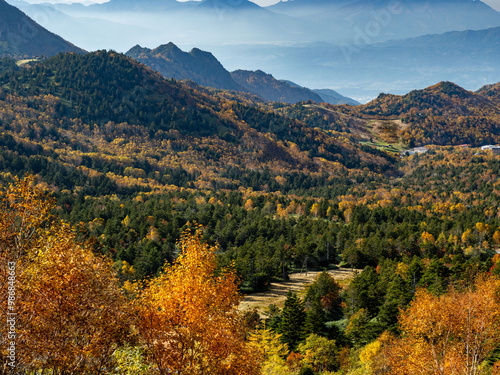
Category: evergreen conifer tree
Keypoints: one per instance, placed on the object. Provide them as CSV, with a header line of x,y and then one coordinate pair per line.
x,y
293,317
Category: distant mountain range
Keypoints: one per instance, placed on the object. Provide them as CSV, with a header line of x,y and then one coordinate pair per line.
x,y
470,58
203,68
368,21
359,47
201,23
333,97
196,65
22,37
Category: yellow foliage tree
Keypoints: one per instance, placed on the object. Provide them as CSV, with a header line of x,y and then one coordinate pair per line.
x,y
23,211
64,308
496,237
71,307
449,334
271,349
427,238
315,209
188,316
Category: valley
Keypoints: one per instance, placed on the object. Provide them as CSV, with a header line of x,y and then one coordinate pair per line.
x,y
208,203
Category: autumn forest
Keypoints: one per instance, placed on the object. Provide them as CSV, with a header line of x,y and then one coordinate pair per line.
x,y
137,211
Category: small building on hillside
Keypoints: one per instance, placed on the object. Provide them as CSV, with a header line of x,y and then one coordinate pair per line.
x,y
487,147
414,151
420,150
494,148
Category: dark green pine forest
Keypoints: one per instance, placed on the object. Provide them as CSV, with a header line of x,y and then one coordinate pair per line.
x,y
133,160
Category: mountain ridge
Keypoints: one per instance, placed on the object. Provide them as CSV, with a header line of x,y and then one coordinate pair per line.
x,y
199,66
108,96
271,89
20,36
441,114
203,68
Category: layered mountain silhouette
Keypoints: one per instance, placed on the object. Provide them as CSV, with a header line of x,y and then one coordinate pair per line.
x,y
361,47
271,89
469,58
333,97
369,21
229,4
20,36
196,65
204,69
109,94
133,5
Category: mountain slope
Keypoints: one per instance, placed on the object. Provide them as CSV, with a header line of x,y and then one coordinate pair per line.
x,y
271,89
333,97
443,114
491,92
84,27
204,69
20,36
104,87
196,65
104,114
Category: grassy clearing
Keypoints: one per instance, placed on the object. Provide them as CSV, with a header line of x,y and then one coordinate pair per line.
x,y
298,281
385,135
23,62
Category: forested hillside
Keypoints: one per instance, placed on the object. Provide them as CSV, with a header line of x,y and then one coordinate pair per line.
x,y
443,114
180,197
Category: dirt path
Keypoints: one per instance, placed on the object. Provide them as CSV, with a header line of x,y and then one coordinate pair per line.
x,y
277,291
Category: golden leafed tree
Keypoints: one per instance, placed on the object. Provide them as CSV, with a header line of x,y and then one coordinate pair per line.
x,y
188,316
271,349
65,308
72,309
449,334
23,212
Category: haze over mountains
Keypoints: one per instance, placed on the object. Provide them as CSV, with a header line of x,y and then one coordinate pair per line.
x,y
203,68
358,47
20,36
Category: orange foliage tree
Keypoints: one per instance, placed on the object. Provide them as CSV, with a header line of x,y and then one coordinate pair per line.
x,y
449,334
72,309
23,211
64,309
188,316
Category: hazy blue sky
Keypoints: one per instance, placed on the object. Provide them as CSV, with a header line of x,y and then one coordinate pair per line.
x,y
492,3
260,2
